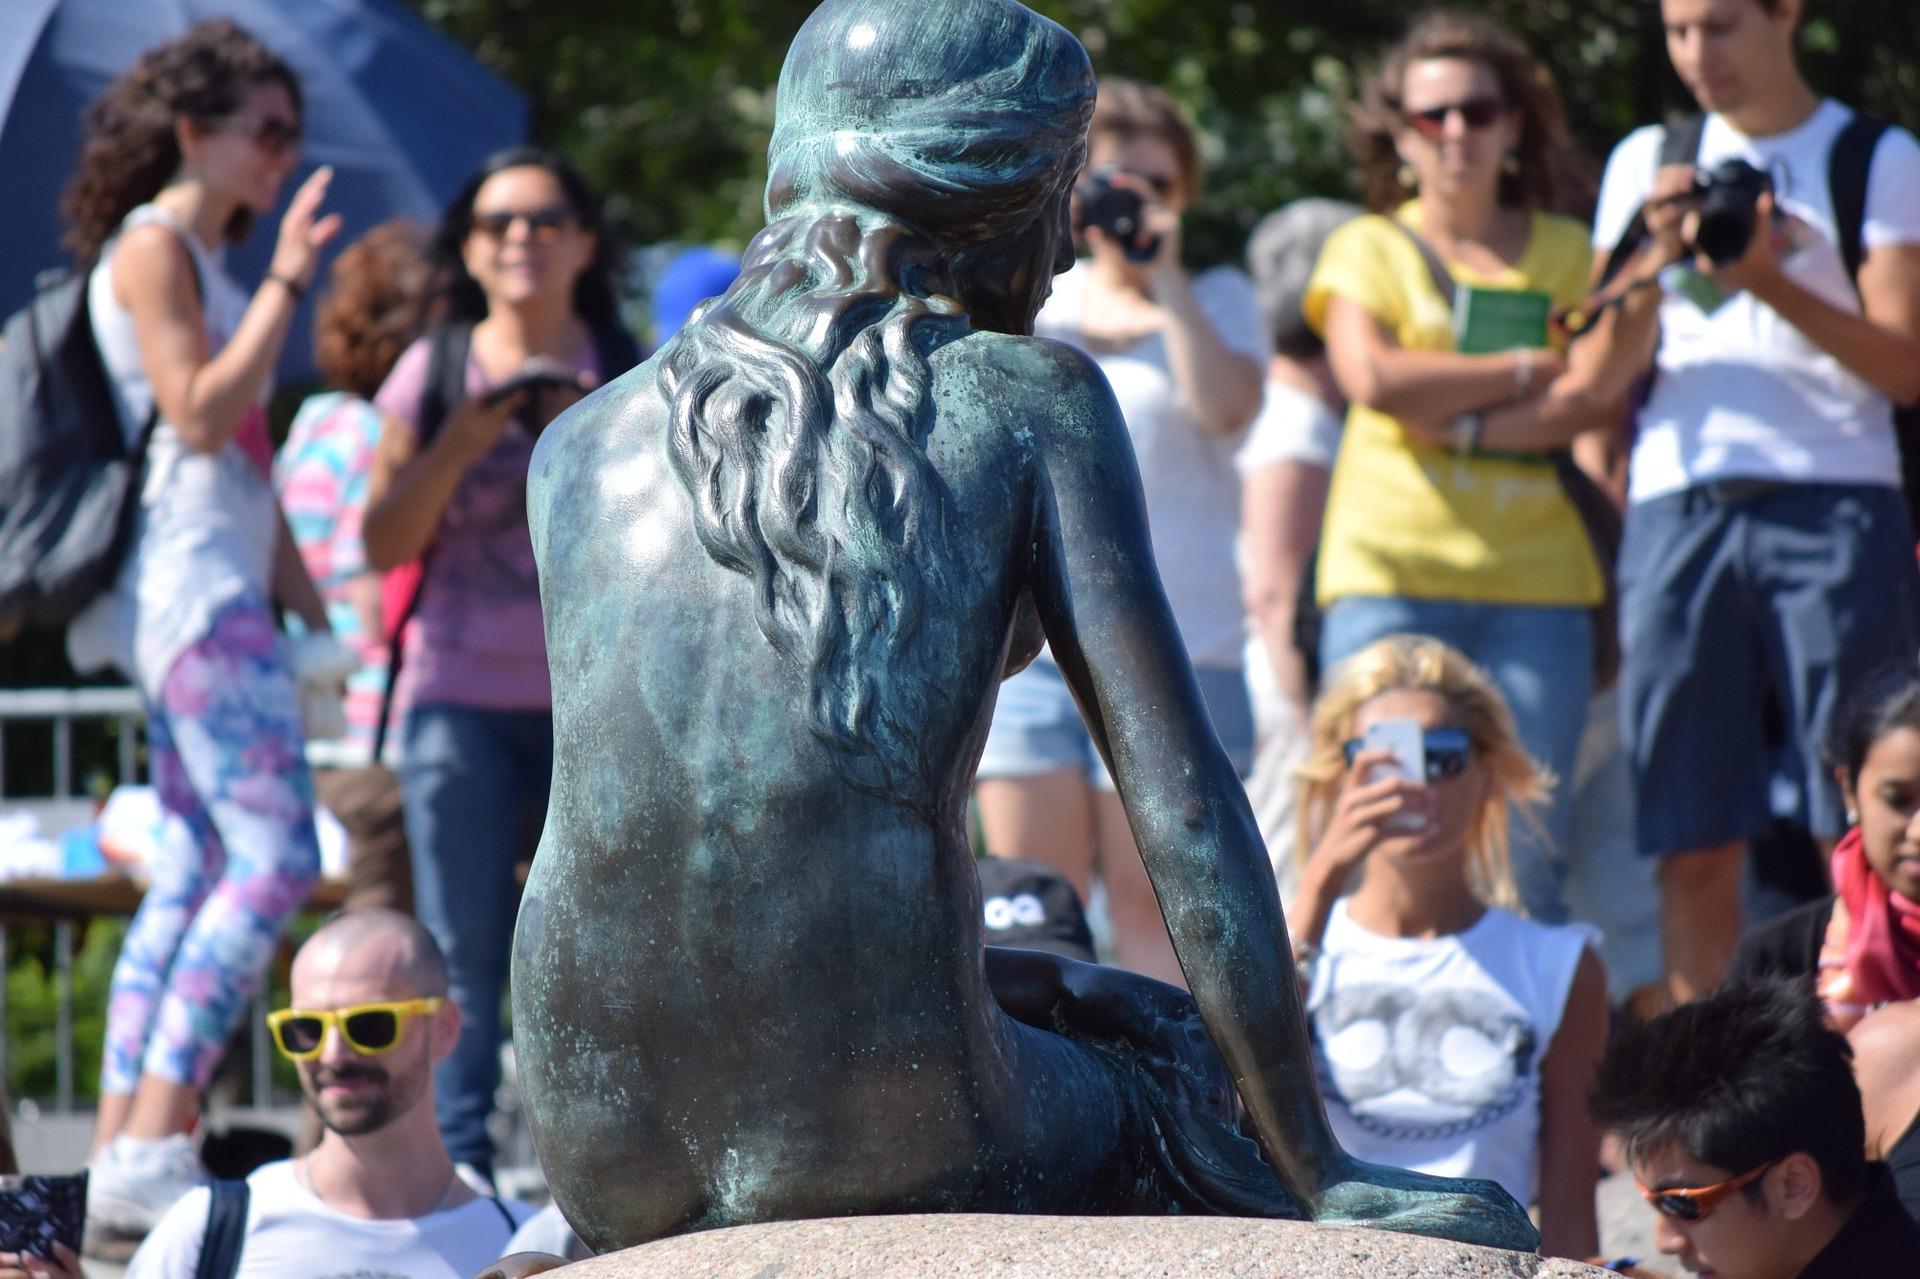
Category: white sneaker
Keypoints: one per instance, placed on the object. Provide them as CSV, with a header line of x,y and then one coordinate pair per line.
x,y
132,1183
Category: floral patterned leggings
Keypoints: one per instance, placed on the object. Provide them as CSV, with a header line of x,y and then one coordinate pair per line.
x,y
225,746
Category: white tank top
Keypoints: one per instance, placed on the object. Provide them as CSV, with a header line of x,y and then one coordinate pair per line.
x,y
206,523
1428,1052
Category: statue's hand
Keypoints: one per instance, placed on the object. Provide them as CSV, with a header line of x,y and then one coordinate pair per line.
x,y
1464,1209
520,1265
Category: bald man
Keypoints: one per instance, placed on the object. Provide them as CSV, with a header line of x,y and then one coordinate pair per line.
x,y
378,1198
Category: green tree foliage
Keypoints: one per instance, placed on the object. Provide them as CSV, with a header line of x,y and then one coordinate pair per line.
x,y
668,104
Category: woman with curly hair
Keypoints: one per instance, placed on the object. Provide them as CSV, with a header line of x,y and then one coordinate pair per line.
x,y
182,153
1451,1035
373,310
1443,518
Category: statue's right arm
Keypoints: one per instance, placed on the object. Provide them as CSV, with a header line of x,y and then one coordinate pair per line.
x,y
1114,636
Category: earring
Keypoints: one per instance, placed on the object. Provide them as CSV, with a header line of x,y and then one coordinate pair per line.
x,y
1510,165
1408,178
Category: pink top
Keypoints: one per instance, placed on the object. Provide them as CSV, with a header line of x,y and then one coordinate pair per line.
x,y
476,638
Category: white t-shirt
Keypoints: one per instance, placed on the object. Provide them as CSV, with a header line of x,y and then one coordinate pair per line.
x,y
291,1234
1428,1051
1292,426
1741,393
1186,470
207,521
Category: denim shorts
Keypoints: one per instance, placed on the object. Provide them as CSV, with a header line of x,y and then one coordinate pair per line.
x,y
1744,603
1037,726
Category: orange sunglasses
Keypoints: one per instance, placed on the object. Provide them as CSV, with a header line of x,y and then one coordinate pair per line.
x,y
1698,1203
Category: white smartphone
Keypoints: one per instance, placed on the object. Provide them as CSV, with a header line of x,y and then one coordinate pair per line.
x,y
1408,743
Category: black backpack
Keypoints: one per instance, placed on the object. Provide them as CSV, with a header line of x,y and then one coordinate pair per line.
x,y
1849,167
68,481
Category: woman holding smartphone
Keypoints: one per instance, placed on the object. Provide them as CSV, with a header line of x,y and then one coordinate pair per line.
x,y
526,272
1451,1036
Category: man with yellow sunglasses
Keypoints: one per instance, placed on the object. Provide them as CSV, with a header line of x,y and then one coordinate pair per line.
x,y
379,1195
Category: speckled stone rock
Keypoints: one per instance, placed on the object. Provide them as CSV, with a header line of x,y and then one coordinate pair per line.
x,y
1008,1247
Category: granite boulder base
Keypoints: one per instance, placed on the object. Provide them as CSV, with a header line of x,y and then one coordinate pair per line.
x,y
1006,1247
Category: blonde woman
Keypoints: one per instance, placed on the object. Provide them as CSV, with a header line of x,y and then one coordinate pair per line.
x,y
1451,1035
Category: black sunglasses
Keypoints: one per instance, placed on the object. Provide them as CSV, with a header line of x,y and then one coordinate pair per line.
x,y
272,135
542,224
1447,751
1477,112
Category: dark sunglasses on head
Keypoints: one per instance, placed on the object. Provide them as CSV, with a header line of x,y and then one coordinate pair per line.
x,y
542,224
1447,751
1698,1203
274,136
1477,112
369,1029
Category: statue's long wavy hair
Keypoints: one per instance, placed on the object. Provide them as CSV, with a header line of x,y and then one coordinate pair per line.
x,y
918,149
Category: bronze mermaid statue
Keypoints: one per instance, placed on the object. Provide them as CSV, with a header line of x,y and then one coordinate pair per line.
x,y
785,565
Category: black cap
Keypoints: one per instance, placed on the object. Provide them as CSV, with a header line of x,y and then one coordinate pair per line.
x,y
1031,904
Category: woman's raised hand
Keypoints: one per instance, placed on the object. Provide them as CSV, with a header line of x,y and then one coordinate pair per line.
x,y
476,426
1361,814
303,232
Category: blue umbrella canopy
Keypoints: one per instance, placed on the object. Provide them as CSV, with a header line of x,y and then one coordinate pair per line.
x,y
401,113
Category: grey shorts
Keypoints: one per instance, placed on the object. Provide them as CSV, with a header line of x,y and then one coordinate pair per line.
x,y
1037,726
1748,607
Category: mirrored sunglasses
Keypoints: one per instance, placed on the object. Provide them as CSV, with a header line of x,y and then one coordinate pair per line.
x,y
1447,751
369,1029
1697,1203
1478,113
542,224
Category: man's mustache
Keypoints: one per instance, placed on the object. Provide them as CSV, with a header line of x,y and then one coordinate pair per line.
x,y
323,1076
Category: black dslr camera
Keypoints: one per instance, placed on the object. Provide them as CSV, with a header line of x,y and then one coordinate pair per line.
x,y
1115,210
1728,194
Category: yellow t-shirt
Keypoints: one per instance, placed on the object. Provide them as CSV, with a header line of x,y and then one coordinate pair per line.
x,y
1411,518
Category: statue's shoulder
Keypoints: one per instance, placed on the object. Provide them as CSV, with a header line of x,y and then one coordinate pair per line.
x,y
1058,383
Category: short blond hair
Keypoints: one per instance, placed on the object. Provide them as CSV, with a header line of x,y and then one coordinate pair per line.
x,y
1419,663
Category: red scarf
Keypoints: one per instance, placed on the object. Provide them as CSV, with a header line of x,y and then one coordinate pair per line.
x,y
1872,951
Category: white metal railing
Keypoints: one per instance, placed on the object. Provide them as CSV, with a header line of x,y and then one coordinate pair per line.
x,y
62,707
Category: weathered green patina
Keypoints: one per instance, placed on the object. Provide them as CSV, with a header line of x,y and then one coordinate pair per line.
x,y
785,565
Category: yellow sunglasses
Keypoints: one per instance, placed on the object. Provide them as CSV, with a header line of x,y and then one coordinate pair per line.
x,y
369,1029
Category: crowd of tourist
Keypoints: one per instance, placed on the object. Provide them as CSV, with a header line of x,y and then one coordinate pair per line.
x,y
1533,558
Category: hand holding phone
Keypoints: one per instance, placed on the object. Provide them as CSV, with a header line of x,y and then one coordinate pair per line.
x,y
537,374
37,1212
1407,742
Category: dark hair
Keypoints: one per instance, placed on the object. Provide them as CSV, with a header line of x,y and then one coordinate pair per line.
x,y
374,306
1887,703
912,159
1127,109
1749,1073
1551,172
595,298
1280,257
131,153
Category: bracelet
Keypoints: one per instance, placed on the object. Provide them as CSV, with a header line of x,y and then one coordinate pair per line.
x,y
1466,431
288,283
1523,373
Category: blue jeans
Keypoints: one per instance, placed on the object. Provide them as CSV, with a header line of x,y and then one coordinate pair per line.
x,y
474,783
1541,658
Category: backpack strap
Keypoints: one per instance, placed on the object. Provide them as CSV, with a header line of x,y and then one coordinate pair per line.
x,y
226,1232
505,1216
442,391
445,388
1849,166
